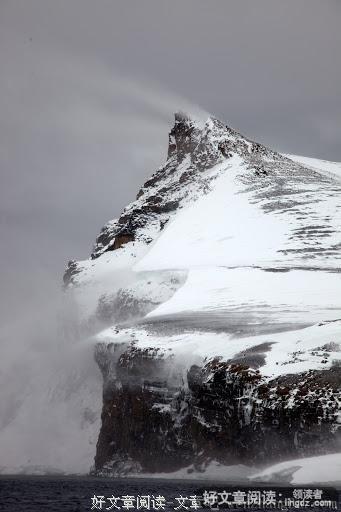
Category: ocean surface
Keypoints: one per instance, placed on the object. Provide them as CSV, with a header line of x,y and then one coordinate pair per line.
x,y
71,494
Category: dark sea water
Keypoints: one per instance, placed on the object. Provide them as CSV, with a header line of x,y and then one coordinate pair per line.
x,y
32,494
71,494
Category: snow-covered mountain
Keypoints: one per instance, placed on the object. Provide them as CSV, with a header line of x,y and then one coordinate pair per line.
x,y
214,302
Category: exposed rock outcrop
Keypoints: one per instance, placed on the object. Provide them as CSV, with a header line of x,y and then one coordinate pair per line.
x,y
158,417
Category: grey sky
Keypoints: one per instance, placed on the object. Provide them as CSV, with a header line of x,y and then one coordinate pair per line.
x,y
87,91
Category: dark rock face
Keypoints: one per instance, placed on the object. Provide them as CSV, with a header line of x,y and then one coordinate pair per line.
x,y
157,417
70,271
122,239
105,239
183,138
136,427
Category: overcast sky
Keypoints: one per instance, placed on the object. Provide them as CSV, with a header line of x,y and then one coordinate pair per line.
x,y
87,92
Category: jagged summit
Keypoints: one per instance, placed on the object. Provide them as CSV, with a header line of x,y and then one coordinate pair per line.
x,y
199,152
207,143
195,146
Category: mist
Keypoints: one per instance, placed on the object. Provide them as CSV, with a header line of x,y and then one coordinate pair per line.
x,y
50,384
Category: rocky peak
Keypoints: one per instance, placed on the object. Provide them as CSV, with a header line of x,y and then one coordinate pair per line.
x,y
206,144
197,140
195,145
183,137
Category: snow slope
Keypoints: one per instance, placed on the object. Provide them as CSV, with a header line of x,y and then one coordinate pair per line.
x,y
331,168
324,469
237,225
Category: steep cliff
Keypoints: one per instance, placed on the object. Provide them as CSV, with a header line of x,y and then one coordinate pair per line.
x,y
155,419
214,305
